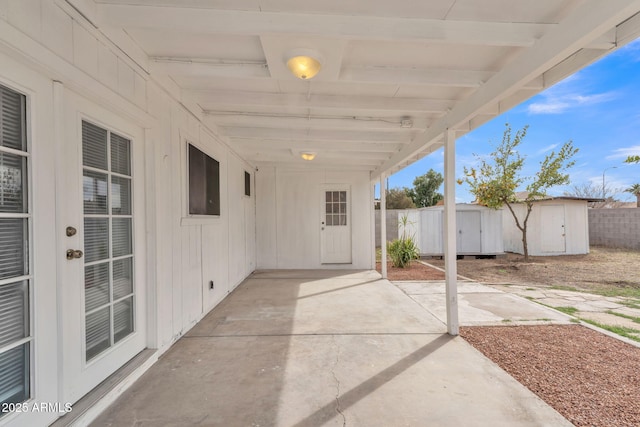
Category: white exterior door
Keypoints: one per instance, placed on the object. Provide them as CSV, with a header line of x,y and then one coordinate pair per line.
x,y
553,230
469,232
28,358
335,227
102,272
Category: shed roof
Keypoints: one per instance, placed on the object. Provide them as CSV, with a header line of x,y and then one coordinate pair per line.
x,y
522,195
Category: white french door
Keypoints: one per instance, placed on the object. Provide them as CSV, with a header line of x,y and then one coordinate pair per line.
x,y
335,227
16,271
28,330
103,265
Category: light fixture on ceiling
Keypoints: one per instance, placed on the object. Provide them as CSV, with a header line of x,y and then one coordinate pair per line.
x,y
406,122
308,156
304,63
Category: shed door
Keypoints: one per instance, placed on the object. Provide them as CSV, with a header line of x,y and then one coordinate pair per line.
x,y
335,227
469,232
552,235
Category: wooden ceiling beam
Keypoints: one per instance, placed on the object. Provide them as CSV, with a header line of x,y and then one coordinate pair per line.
x,y
283,121
346,136
356,27
213,99
328,145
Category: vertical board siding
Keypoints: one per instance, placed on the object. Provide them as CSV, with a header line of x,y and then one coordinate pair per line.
x,y
288,224
187,257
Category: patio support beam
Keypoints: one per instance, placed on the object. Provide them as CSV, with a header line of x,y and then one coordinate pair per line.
x,y
383,225
450,235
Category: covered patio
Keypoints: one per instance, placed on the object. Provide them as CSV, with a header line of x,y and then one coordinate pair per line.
x,y
161,153
335,348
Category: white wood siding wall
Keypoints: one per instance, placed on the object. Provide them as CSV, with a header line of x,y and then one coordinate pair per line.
x,y
288,223
51,38
427,225
193,253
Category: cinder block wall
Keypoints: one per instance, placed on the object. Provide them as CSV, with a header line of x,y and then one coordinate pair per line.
x,y
615,228
392,226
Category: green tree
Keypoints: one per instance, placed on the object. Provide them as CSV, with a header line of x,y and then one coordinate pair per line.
x,y
397,198
633,159
425,189
495,183
635,190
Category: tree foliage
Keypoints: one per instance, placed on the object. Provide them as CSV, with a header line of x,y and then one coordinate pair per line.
x,y
499,176
425,189
633,159
398,198
635,190
590,190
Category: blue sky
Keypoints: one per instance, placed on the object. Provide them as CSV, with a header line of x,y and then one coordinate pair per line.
x,y
598,108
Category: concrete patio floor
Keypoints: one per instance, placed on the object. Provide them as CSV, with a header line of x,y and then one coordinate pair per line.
x,y
330,348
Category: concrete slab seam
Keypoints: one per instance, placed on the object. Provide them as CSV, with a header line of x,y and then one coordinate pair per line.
x,y
335,377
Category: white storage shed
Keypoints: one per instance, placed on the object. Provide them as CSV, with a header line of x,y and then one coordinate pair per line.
x,y
557,226
479,229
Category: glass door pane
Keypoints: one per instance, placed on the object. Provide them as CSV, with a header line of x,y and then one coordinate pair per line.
x,y
15,280
108,238
336,208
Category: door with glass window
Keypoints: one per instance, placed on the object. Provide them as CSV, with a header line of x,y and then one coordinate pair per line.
x,y
335,227
28,328
103,257
16,279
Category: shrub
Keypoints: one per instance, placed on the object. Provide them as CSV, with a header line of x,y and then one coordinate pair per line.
x,y
402,251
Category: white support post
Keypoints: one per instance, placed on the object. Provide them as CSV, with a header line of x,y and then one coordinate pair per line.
x,y
383,224
450,234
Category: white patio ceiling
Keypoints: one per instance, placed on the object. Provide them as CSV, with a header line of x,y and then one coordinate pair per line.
x,y
432,64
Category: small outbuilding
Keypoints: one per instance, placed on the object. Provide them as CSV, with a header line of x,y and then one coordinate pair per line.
x,y
479,229
557,226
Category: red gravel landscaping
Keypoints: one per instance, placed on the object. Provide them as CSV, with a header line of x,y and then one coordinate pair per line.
x,y
588,377
414,271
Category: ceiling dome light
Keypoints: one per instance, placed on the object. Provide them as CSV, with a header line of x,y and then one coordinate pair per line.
x,y
303,66
308,156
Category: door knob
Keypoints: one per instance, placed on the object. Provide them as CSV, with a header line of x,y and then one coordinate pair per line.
x,y
74,253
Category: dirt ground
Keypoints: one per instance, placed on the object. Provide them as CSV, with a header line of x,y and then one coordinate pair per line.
x,y
601,270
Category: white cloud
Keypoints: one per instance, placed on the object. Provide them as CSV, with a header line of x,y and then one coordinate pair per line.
x,y
549,107
557,103
546,149
623,153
